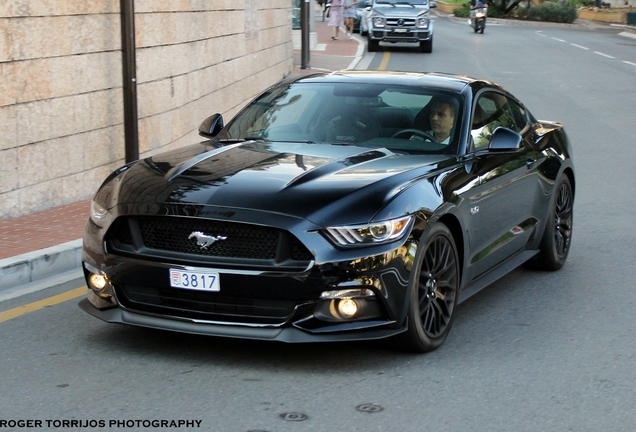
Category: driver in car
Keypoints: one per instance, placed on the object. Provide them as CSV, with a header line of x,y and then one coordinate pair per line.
x,y
442,118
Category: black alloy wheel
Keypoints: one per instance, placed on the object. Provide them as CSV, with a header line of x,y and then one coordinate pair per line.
x,y
433,297
557,237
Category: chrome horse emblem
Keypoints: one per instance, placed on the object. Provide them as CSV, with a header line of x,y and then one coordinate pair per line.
x,y
204,240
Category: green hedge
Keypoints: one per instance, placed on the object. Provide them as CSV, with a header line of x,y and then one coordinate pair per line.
x,y
562,12
462,12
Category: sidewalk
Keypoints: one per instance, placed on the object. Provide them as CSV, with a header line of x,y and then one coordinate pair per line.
x,y
37,246
329,54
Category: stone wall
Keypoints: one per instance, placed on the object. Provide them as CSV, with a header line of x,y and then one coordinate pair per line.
x,y
61,113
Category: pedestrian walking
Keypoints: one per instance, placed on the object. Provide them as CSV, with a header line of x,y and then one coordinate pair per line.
x,y
336,19
349,16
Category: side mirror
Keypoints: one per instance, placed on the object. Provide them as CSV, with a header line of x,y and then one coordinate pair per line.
x,y
433,5
504,139
211,126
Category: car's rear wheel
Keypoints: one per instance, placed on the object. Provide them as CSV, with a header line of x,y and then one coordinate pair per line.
x,y
557,236
433,293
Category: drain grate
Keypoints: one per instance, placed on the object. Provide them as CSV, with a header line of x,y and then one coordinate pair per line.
x,y
369,408
294,417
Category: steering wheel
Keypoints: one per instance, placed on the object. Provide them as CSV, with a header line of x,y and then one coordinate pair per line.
x,y
414,132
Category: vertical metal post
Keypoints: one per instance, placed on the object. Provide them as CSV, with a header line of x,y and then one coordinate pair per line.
x,y
304,32
129,79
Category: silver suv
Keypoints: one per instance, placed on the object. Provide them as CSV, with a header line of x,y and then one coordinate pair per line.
x,y
401,21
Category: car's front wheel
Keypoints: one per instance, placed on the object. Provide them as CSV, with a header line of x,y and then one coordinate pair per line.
x,y
433,293
427,46
555,243
373,45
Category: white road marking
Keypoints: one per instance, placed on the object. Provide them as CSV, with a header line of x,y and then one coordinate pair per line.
x,y
579,46
629,63
557,39
604,55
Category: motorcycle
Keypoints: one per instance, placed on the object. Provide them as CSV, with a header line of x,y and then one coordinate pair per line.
x,y
478,18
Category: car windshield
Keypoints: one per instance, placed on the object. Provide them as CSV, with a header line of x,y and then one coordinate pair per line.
x,y
404,118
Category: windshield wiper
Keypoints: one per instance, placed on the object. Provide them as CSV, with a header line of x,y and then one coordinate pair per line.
x,y
230,140
239,140
296,141
405,3
255,138
343,143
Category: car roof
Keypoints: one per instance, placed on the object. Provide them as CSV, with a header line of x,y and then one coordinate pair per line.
x,y
441,81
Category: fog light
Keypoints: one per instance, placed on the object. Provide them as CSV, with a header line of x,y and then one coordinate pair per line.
x,y
97,281
347,307
100,285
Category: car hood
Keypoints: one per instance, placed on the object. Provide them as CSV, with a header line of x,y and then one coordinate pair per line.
x,y
311,181
401,10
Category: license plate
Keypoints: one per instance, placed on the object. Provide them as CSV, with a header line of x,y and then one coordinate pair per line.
x,y
400,30
203,281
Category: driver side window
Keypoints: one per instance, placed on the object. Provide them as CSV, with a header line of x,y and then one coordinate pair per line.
x,y
491,111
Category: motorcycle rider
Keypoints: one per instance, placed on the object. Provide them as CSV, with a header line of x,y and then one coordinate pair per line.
x,y
474,6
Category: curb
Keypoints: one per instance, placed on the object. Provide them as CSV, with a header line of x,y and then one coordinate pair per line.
x,y
39,265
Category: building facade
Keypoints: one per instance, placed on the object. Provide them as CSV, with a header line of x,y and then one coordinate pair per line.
x,y
61,96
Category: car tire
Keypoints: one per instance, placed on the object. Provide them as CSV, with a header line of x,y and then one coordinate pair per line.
x,y
372,45
427,46
555,243
433,293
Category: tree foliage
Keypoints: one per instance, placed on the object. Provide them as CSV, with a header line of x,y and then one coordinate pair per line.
x,y
564,11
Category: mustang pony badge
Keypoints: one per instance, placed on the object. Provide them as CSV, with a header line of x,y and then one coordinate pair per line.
x,y
204,240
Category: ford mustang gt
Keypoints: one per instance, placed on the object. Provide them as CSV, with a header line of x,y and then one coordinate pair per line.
x,y
352,205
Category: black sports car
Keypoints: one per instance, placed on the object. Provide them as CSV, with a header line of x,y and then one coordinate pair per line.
x,y
344,206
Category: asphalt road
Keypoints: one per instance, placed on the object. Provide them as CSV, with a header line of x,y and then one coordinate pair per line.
x,y
534,352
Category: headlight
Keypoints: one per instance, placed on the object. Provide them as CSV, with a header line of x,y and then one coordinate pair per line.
x,y
378,21
422,22
370,234
99,215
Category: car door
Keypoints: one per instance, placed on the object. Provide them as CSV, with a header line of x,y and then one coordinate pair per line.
x,y
502,218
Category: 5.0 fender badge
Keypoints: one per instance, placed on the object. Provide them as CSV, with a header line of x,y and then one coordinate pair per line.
x,y
204,240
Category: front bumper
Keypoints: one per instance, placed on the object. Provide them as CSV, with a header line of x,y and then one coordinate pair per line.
x,y
407,35
285,334
283,305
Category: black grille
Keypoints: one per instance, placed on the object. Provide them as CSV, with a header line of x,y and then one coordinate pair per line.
x,y
203,305
400,22
179,235
205,241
